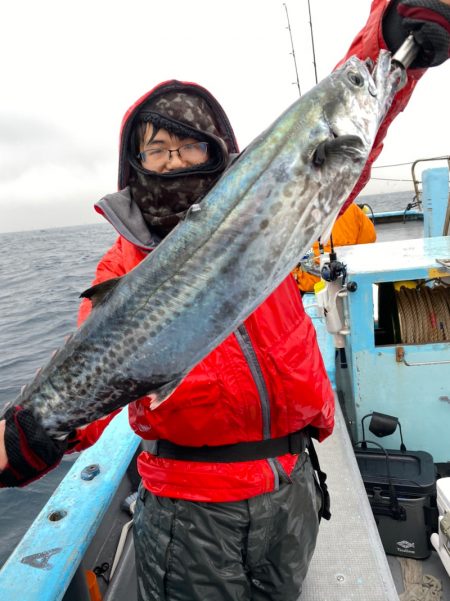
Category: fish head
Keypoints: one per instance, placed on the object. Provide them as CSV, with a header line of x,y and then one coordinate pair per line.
x,y
339,124
358,96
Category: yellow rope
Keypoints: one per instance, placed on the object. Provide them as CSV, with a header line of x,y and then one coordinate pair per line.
x,y
424,314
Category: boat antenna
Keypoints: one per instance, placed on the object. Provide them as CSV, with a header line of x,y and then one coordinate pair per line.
x,y
293,51
312,42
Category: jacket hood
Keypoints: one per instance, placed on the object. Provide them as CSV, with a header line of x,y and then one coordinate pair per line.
x,y
222,124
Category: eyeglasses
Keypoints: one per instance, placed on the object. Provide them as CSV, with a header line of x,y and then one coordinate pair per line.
x,y
193,153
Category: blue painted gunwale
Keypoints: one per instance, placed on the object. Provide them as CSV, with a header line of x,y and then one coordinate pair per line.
x,y
46,559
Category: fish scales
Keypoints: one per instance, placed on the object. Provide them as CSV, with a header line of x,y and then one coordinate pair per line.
x,y
224,259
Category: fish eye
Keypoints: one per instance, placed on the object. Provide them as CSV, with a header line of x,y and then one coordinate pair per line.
x,y
355,78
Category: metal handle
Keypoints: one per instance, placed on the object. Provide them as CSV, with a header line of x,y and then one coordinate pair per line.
x,y
407,52
400,358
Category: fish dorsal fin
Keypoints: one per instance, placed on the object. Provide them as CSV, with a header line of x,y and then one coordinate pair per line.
x,y
97,294
347,146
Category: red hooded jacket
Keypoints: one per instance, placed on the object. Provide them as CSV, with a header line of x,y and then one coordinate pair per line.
x,y
264,381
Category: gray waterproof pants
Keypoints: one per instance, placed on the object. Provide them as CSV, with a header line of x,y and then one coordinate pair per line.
x,y
258,549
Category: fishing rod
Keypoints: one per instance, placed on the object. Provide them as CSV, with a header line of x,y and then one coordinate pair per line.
x,y
293,51
312,42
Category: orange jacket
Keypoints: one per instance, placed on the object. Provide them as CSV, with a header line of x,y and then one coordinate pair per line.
x,y
352,227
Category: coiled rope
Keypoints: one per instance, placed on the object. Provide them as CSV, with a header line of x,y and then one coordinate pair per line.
x,y
424,314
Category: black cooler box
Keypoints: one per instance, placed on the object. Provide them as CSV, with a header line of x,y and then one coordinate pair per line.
x,y
402,493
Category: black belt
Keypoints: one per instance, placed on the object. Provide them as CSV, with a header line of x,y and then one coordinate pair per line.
x,y
294,443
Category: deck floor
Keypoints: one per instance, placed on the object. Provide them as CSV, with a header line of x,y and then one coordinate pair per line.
x,y
349,562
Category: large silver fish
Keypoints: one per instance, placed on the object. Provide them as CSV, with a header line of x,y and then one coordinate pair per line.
x,y
231,251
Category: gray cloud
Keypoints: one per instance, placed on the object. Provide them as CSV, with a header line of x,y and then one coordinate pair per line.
x,y
29,143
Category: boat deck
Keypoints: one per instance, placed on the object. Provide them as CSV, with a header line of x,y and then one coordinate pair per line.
x,y
349,562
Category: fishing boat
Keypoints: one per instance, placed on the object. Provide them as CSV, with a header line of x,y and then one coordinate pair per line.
x,y
386,508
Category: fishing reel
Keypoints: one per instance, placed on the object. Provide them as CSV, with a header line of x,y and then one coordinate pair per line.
x,y
330,291
333,269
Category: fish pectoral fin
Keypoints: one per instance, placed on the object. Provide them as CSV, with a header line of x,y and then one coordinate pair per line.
x,y
342,147
96,294
161,394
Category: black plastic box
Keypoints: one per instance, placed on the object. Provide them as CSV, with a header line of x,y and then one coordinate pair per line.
x,y
404,506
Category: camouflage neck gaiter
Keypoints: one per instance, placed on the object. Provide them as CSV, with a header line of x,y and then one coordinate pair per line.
x,y
164,202
164,198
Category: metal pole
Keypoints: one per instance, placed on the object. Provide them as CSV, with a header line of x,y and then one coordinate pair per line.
x,y
293,51
312,42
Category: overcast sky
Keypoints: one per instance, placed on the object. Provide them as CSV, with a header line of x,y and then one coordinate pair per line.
x,y
71,70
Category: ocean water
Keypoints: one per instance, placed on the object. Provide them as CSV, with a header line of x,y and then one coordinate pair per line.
x,y
42,273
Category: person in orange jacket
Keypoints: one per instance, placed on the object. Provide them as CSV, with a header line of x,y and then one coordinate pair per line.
x,y
243,527
352,227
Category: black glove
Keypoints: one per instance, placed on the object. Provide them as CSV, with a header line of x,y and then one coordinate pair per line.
x,y
428,21
31,452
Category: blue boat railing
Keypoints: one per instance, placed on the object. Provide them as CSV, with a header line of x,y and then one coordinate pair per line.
x,y
47,558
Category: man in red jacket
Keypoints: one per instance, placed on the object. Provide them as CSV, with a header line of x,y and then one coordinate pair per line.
x,y
229,504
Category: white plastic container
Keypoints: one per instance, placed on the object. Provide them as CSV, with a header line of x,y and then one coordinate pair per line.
x,y
439,541
443,495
